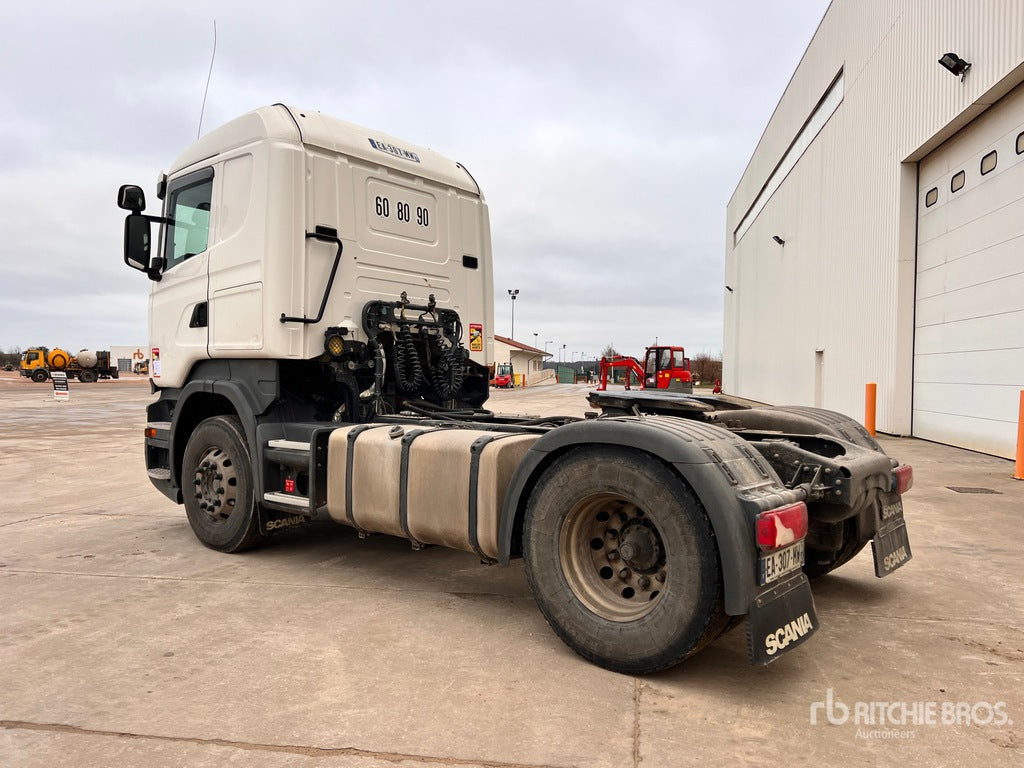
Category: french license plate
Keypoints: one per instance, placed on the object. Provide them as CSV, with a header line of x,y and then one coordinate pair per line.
x,y
891,545
775,565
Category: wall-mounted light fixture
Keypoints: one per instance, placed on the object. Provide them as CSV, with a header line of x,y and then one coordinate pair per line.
x,y
728,288
778,240
955,65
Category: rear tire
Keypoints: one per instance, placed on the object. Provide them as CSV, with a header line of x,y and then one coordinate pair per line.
x,y
217,485
87,376
622,561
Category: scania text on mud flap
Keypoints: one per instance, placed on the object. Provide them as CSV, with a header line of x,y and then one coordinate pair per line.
x,y
311,283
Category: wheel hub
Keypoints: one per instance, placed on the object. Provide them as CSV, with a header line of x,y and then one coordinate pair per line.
x,y
215,484
613,557
641,547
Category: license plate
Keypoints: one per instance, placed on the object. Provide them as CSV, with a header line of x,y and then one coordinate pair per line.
x,y
775,565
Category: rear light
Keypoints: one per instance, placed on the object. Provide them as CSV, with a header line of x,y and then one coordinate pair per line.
x,y
903,478
289,485
782,526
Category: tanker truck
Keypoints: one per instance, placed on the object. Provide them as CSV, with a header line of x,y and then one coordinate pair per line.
x,y
87,366
321,333
37,362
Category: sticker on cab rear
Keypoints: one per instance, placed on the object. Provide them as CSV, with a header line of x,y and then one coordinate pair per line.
x,y
476,337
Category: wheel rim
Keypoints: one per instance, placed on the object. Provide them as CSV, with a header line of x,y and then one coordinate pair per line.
x,y
613,557
216,484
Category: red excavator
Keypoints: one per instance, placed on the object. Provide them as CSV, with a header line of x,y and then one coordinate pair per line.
x,y
663,368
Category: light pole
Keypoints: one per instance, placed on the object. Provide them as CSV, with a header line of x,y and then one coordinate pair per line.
x,y
561,353
546,345
535,340
513,292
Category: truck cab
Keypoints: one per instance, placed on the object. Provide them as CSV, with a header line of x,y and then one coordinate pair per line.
x,y
279,227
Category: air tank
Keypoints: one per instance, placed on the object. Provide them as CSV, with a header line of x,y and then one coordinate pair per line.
x,y
87,358
57,359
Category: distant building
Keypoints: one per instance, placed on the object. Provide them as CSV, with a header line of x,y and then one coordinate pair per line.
x,y
527,362
125,358
877,234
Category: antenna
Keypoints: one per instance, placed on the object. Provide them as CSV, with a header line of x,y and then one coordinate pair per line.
x,y
208,76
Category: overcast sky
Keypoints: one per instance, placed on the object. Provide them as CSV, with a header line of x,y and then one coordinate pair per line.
x,y
607,137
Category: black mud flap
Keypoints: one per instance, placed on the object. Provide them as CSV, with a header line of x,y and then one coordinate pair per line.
x,y
780,619
891,545
274,520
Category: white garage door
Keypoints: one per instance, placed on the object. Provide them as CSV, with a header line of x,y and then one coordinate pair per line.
x,y
969,321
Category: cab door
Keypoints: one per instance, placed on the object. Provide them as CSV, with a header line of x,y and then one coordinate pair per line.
x,y
178,316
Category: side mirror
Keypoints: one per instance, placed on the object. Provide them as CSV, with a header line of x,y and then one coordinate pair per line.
x,y
131,198
136,240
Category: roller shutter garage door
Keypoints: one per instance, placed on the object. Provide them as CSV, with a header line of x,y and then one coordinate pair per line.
x,y
969,313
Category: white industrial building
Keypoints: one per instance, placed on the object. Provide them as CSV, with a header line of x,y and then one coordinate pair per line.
x,y
877,233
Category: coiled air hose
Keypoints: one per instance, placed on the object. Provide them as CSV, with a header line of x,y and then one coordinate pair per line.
x,y
446,373
408,371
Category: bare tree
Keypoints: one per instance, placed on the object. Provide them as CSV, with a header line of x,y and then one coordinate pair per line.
x,y
706,367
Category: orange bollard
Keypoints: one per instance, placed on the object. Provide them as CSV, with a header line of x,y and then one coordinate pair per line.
x,y
870,397
1018,473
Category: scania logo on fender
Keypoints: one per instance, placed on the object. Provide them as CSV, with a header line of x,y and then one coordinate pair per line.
x,y
285,522
895,559
890,511
786,634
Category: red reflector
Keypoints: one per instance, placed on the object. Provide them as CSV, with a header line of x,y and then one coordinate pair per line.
x,y
289,485
782,526
903,478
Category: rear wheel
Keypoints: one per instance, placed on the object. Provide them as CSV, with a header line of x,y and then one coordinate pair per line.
x,y
87,376
621,559
216,481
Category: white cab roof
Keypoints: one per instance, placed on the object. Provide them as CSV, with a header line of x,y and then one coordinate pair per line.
x,y
283,123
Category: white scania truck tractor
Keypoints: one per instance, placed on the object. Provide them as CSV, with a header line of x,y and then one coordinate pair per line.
x,y
321,324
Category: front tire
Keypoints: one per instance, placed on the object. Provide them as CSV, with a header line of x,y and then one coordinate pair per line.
x,y
217,484
621,560
39,375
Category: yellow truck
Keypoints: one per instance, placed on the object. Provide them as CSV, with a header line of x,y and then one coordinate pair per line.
x,y
87,366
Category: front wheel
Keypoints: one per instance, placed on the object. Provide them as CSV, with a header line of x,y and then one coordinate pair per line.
x,y
217,483
39,375
621,560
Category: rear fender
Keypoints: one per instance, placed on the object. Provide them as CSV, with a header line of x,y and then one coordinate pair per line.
x,y
732,481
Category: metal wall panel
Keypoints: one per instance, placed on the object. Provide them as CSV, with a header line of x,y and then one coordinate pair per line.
x,y
841,289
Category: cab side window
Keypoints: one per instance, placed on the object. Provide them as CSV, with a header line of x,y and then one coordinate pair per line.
x,y
188,206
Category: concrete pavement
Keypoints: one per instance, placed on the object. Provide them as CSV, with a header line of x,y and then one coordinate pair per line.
x,y
125,642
